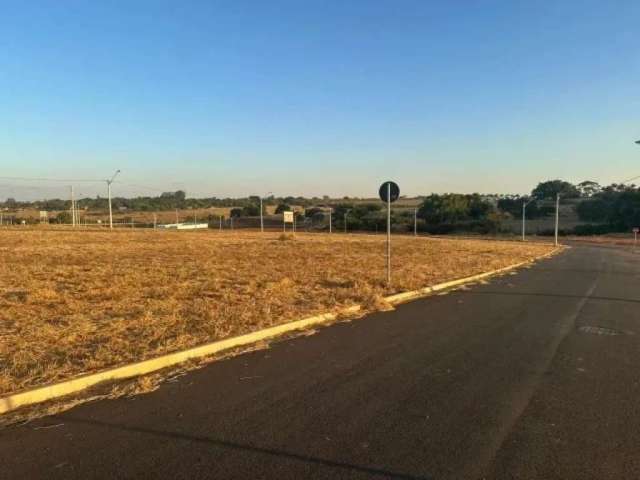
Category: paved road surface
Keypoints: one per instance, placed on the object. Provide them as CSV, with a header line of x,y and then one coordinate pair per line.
x,y
517,379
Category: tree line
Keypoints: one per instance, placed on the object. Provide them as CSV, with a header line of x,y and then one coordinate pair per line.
x,y
612,208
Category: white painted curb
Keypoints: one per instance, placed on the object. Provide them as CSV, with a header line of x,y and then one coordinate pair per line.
x,y
67,387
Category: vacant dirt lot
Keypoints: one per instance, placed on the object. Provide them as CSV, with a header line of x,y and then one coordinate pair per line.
x,y
74,302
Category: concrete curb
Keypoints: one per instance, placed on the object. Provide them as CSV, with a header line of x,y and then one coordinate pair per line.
x,y
67,387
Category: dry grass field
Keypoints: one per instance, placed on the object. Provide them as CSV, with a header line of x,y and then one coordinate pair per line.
x,y
75,302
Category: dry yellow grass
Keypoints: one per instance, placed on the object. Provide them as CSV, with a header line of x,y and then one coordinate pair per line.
x,y
75,302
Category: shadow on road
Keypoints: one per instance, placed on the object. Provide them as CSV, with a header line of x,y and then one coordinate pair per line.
x,y
247,448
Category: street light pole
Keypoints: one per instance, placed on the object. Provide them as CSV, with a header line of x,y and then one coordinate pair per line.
x,y
557,217
261,215
109,182
524,207
388,234
261,219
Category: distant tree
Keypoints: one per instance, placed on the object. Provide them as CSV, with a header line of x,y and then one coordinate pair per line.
x,y
589,188
311,212
551,188
251,210
513,206
11,203
594,210
63,217
616,205
452,208
235,212
478,208
282,207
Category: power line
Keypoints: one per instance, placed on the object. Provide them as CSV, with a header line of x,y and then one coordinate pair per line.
x,y
630,179
42,179
155,189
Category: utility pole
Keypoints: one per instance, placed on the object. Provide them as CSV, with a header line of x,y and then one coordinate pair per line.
x,y
261,217
557,217
261,212
415,222
109,182
330,210
73,210
524,207
388,234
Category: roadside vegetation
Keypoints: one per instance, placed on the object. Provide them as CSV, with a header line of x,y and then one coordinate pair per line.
x,y
73,302
586,209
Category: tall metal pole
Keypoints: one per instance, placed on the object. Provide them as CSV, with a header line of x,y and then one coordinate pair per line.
x,y
109,182
110,212
330,210
524,206
73,210
389,234
415,222
557,217
261,219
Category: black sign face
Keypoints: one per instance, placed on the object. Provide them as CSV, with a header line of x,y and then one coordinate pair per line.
x,y
384,191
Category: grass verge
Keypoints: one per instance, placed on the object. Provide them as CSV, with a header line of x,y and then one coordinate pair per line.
x,y
76,302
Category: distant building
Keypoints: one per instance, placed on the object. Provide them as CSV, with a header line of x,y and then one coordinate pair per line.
x,y
184,226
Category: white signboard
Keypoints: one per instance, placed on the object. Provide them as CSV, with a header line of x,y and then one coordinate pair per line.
x,y
288,217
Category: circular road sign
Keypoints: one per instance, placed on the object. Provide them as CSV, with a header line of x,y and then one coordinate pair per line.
x,y
395,191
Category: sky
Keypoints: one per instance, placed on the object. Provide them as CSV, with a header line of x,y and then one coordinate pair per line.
x,y
316,97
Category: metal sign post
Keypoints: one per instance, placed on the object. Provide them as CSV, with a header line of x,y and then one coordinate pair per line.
x,y
287,217
388,234
557,218
389,192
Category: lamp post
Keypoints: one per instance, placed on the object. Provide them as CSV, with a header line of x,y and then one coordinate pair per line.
x,y
557,217
261,215
524,207
345,220
109,182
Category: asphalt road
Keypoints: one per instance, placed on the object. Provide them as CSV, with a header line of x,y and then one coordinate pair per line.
x,y
534,375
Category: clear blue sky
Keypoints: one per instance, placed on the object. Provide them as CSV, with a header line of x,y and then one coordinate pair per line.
x,y
319,97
